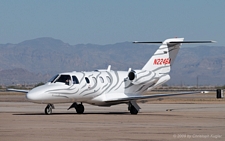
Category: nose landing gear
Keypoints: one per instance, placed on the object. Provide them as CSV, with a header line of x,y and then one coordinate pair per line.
x,y
48,109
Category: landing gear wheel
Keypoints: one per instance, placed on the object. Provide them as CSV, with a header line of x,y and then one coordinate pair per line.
x,y
80,109
48,109
133,110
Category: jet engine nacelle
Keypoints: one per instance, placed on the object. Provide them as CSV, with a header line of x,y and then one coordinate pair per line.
x,y
141,76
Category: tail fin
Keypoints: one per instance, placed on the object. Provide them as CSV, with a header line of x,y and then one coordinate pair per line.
x,y
164,57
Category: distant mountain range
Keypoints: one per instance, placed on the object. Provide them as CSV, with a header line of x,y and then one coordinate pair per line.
x,y
36,60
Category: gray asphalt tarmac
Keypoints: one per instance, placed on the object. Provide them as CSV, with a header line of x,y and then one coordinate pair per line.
x,y
158,122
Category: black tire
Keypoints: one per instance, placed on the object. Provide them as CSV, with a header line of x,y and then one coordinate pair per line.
x,y
133,110
80,109
48,110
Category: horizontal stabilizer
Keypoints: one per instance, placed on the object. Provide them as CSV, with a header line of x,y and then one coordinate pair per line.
x,y
188,42
194,42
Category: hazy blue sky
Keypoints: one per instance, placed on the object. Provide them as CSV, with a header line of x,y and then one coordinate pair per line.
x,y
107,22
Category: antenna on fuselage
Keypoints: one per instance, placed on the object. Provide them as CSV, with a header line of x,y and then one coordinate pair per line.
x,y
109,68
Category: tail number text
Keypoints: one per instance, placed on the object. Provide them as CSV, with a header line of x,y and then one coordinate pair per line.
x,y
162,61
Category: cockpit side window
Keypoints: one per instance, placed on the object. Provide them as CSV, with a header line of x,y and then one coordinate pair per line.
x,y
75,80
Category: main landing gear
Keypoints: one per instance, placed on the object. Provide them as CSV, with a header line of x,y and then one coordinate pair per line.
x,y
79,107
133,107
48,109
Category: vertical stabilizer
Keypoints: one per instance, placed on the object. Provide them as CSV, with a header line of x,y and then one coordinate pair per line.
x,y
164,57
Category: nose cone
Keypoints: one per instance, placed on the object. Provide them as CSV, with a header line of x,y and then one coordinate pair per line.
x,y
31,96
36,94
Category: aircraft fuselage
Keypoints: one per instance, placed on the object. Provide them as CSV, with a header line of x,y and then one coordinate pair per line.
x,y
92,87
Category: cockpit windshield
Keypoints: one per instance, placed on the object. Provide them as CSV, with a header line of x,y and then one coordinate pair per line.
x,y
53,78
60,78
64,79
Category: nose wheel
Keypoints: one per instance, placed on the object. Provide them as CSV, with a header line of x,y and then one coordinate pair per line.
x,y
48,109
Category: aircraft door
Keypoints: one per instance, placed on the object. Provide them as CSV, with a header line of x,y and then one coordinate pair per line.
x,y
91,82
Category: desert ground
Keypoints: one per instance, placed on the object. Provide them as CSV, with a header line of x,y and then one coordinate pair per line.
x,y
199,117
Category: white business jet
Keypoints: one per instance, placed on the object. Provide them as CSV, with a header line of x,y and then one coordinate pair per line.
x,y
108,87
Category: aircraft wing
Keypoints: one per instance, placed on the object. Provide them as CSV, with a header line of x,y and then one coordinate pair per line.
x,y
130,98
18,90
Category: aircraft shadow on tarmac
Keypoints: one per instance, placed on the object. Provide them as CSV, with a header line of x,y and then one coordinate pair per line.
x,y
102,113
91,113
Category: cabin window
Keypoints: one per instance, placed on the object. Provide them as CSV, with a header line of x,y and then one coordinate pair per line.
x,y
75,80
108,79
87,80
101,79
94,80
